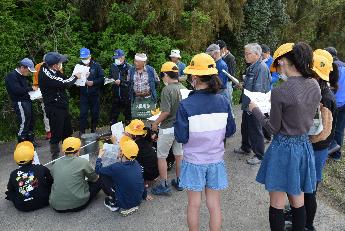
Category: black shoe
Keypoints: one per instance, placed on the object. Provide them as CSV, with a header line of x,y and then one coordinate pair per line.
x,y
110,205
241,151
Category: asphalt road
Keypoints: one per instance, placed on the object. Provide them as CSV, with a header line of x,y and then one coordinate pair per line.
x,y
244,204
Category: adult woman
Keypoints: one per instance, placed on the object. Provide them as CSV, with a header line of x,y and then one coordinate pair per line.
x,y
203,121
289,165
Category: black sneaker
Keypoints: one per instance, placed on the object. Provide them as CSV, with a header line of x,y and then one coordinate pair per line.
x,y
110,205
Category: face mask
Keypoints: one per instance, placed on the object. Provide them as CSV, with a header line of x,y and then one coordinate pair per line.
x,y
60,67
283,77
118,62
193,83
86,61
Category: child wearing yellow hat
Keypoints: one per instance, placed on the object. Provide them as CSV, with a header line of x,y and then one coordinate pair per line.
x,y
29,186
71,192
127,179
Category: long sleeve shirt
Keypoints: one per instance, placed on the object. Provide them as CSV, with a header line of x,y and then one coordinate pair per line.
x,y
17,86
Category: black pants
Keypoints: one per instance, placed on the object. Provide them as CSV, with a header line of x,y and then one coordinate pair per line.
x,y
94,188
25,119
89,102
252,136
60,124
119,105
267,135
107,185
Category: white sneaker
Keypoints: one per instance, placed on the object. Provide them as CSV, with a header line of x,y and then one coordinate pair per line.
x,y
253,161
126,212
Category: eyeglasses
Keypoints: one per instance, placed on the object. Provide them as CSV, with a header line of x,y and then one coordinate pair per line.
x,y
247,53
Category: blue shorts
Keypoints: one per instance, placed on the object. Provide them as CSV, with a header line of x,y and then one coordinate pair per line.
x,y
197,177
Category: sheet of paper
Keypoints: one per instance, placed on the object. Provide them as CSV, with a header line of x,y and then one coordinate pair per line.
x,y
84,70
263,100
154,118
36,160
107,81
86,157
35,94
117,130
184,93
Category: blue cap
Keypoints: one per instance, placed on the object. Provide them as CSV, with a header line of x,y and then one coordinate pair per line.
x,y
28,63
118,54
84,53
52,58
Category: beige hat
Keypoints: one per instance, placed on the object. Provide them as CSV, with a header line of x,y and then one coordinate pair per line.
x,y
140,57
175,54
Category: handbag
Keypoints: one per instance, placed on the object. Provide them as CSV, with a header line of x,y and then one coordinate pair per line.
x,y
317,126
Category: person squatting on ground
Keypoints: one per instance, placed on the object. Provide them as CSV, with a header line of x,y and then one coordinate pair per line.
x,y
203,121
90,93
76,183
126,190
257,79
29,186
288,167
120,95
147,156
170,99
53,86
18,88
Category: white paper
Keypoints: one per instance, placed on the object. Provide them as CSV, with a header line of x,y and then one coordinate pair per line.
x,y
107,80
86,157
184,93
35,94
117,131
232,78
111,152
36,160
263,100
154,118
84,70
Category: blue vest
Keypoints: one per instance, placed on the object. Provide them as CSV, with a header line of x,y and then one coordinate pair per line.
x,y
152,82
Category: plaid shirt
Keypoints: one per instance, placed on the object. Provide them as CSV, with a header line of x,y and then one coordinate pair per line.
x,y
141,82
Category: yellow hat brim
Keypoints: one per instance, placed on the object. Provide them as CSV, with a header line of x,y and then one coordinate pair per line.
x,y
136,133
321,75
192,71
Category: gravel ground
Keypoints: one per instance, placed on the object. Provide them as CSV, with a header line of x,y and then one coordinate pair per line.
x,y
244,204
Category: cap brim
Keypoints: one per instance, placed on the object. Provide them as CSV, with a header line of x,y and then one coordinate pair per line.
x,y
209,71
32,70
321,75
63,58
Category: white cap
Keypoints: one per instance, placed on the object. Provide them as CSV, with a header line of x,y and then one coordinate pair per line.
x,y
175,54
140,57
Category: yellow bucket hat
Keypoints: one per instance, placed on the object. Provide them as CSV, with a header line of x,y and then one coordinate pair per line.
x,y
325,54
129,148
24,153
201,64
169,66
282,50
322,66
71,145
136,127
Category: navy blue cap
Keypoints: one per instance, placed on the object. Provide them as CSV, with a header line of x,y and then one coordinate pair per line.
x,y
28,63
52,58
118,54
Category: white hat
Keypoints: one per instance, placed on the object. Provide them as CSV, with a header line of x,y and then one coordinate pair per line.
x,y
175,54
140,57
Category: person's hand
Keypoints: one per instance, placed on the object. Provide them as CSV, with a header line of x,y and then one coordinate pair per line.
x,y
149,198
117,82
101,153
34,88
89,83
154,127
252,106
78,75
239,86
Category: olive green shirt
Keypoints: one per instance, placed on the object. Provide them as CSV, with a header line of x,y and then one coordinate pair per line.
x,y
70,188
170,99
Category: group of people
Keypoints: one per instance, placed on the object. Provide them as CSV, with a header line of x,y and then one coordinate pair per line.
x,y
306,120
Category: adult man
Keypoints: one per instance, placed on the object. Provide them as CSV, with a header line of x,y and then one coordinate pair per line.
x,y
143,81
170,99
18,88
267,58
340,99
90,93
71,192
53,84
175,57
257,80
121,100
214,51
227,57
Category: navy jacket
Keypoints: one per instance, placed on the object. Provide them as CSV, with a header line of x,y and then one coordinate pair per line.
x,y
120,72
128,182
17,86
97,76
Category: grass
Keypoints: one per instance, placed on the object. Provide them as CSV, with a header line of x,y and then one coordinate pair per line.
x,y
333,186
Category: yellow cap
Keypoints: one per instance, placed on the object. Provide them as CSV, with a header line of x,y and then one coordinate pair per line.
x,y
322,66
169,66
124,139
136,127
155,112
325,54
129,148
24,153
25,143
201,64
71,145
282,50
